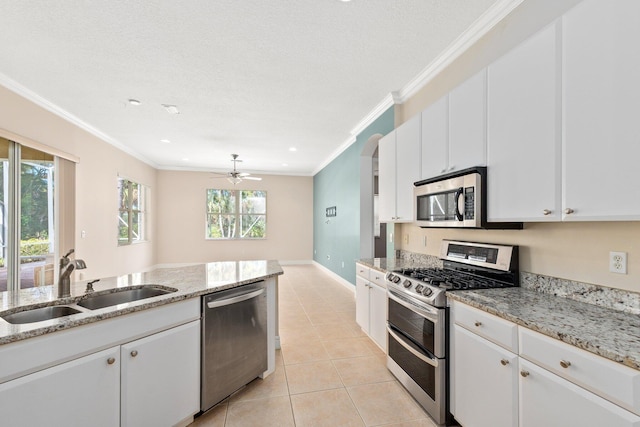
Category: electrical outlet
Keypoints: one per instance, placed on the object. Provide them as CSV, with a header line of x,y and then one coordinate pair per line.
x,y
424,241
618,262
342,264
406,238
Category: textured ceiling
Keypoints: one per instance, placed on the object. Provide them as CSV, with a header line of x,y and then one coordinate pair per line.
x,y
253,77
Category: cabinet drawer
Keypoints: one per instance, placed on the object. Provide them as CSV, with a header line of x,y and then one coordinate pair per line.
x,y
362,271
377,277
611,380
493,328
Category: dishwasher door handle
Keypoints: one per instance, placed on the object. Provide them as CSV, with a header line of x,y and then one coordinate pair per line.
x,y
236,299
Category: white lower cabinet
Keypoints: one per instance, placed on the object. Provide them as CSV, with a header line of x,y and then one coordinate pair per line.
x,y
550,401
493,386
160,377
485,382
371,304
81,392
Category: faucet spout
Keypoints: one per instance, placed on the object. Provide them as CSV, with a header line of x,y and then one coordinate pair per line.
x,y
64,277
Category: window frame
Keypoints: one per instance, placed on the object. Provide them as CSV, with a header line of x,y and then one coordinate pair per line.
x,y
236,213
142,212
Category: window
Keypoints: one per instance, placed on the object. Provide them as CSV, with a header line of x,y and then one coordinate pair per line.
x,y
26,204
132,212
236,214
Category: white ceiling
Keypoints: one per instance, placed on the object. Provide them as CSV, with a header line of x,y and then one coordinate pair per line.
x,y
253,77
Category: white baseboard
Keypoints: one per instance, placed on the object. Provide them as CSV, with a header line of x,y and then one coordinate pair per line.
x,y
347,284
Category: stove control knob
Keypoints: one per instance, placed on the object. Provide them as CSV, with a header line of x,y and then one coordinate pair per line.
x,y
396,279
406,283
419,288
427,291
390,276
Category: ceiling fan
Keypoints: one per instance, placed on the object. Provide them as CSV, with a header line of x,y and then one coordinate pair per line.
x,y
236,176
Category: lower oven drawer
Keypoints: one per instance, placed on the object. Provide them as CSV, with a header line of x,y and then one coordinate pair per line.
x,y
420,373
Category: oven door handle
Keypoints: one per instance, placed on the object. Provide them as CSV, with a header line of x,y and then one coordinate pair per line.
x,y
426,312
425,359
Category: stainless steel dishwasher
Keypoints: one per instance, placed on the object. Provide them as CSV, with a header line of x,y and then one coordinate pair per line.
x,y
234,341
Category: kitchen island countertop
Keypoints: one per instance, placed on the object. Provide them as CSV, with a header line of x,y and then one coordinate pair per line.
x,y
191,281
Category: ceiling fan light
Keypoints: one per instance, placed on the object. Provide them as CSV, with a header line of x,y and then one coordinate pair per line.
x,y
234,179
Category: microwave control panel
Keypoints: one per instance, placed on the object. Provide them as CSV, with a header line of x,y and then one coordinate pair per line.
x,y
469,203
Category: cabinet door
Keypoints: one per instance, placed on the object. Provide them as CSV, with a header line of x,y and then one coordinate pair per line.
x,y
362,303
378,315
407,167
82,392
467,123
387,177
160,377
435,138
550,401
523,135
485,382
601,110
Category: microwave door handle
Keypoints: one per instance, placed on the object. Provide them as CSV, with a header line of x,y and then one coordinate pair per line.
x,y
459,192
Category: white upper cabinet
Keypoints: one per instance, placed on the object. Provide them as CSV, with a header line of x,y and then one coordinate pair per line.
x,y
435,138
523,135
399,168
601,88
387,177
468,123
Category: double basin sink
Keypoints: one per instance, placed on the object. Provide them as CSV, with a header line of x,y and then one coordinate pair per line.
x,y
89,301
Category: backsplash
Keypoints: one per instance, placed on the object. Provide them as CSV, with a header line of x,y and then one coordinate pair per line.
x,y
616,299
612,298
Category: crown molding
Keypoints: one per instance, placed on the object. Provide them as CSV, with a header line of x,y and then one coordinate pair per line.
x,y
17,88
481,26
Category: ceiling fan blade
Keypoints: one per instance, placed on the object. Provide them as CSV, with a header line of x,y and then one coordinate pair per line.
x,y
253,178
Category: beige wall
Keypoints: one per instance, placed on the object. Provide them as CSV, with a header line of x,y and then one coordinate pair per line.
x,y
96,185
576,251
181,219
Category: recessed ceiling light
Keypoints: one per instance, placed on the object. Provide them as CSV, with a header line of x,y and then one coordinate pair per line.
x,y
134,102
171,109
165,141
293,149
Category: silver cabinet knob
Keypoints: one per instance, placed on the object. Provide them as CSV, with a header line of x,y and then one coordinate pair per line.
x,y
504,362
478,324
565,363
569,211
546,212
111,360
524,373
134,353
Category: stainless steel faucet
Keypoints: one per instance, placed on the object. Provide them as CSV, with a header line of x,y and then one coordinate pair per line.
x,y
66,268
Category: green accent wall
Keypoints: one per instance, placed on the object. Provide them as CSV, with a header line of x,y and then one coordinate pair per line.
x,y
337,242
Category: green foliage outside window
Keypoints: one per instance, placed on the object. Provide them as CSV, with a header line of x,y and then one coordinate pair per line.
x,y
236,214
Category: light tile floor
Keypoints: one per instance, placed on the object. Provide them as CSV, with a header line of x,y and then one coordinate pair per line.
x,y
328,373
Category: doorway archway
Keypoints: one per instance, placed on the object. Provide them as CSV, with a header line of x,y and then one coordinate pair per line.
x,y
368,169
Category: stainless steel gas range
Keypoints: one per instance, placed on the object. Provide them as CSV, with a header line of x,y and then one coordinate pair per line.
x,y
417,322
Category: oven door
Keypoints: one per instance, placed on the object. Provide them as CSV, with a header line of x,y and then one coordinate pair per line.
x,y
423,324
423,375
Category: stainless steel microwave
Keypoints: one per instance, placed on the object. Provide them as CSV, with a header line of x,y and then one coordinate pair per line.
x,y
455,200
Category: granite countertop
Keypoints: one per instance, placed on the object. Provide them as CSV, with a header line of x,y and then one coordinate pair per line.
x,y
191,281
613,334
609,333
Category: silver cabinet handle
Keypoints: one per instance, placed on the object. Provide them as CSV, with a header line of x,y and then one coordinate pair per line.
x,y
565,363
111,360
569,211
478,324
546,212
134,353
504,362
524,373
